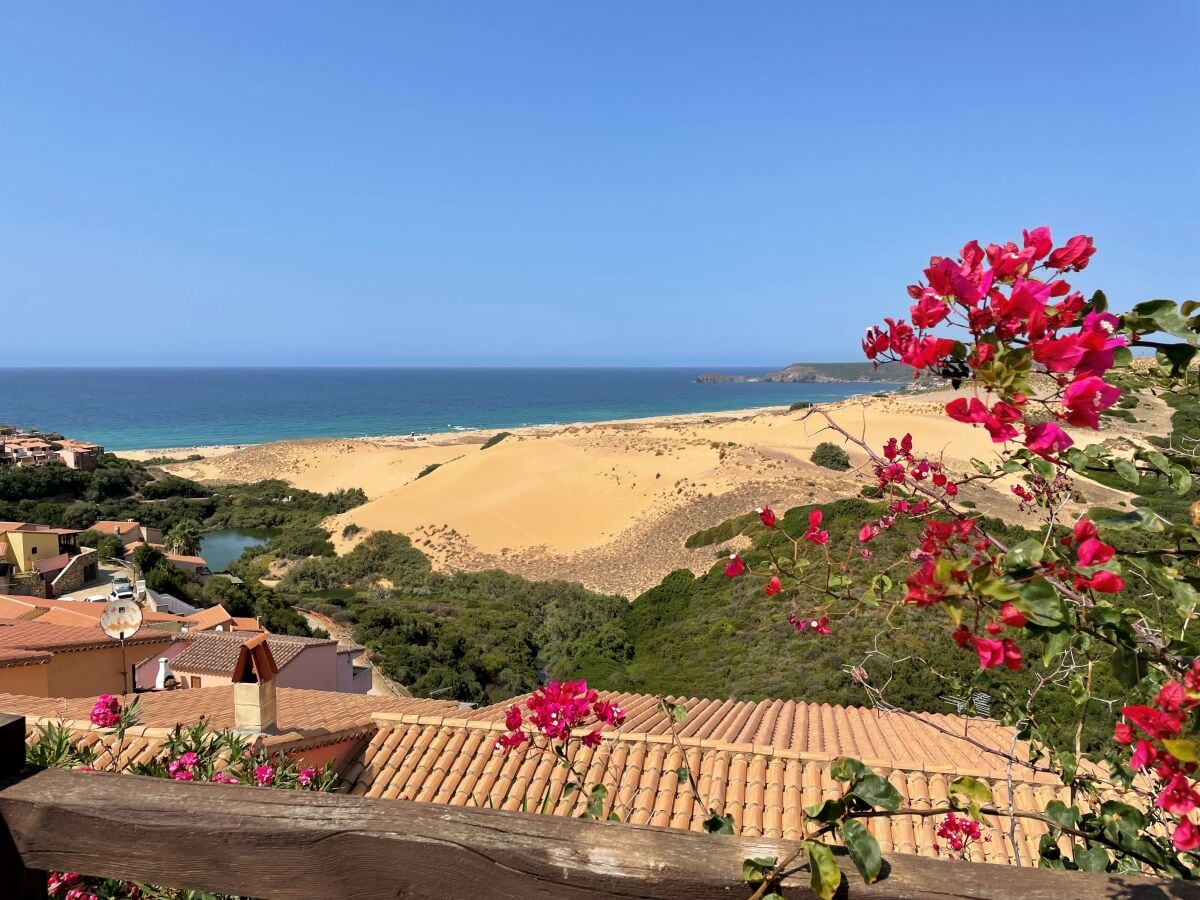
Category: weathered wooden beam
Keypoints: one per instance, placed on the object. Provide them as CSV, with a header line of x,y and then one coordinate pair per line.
x,y
17,881
289,844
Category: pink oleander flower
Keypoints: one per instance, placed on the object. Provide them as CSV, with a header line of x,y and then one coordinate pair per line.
x,y
306,776
106,712
735,566
223,778
264,775
767,515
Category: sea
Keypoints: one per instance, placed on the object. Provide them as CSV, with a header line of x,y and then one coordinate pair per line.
x,y
153,408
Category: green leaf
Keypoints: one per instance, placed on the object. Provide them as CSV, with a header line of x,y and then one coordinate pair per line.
x,y
1142,519
1078,690
1094,859
877,791
1156,459
824,874
1128,471
676,711
682,774
864,850
1122,817
847,769
1181,479
1182,749
974,791
1061,814
1024,555
718,824
829,811
1128,666
755,869
1041,604
981,467
1175,359
1153,316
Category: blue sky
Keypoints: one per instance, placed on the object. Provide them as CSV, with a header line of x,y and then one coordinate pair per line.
x,y
561,183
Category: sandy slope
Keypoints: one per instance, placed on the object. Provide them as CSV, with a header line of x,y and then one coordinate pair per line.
x,y
608,504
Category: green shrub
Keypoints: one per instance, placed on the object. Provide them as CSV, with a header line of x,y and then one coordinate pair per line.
x,y
831,456
429,468
870,491
495,439
800,404
351,530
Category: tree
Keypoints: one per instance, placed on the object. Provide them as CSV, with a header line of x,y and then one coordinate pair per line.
x,y
183,538
831,456
109,546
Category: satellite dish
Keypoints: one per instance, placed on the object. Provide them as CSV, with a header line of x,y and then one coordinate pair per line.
x,y
121,619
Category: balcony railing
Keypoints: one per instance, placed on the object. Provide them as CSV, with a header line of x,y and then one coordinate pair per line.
x,y
259,842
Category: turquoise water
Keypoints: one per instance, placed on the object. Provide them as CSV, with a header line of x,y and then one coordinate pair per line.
x,y
128,409
220,548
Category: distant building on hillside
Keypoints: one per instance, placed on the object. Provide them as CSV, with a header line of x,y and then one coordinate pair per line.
x,y
39,450
81,455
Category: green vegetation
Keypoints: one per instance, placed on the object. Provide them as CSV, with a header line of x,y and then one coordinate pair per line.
x,y
432,466
831,456
800,404
479,636
495,439
168,460
109,546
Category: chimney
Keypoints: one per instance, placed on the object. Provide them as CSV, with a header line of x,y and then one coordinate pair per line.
x,y
254,705
164,672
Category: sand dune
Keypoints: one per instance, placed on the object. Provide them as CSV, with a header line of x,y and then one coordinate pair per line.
x,y
611,503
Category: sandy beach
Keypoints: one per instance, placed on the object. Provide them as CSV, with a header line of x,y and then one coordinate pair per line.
x,y
611,503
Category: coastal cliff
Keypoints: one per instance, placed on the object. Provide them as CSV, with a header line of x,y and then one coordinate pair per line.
x,y
807,373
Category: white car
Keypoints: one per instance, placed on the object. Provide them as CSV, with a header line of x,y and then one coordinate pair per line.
x,y
122,591
95,598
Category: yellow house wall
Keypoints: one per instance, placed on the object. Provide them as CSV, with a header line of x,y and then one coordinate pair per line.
x,y
31,681
86,673
23,544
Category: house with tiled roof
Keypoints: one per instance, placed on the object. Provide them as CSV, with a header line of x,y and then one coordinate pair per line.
x,y
72,612
129,531
214,618
203,659
43,561
54,660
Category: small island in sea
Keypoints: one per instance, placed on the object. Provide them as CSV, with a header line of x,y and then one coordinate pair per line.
x,y
812,373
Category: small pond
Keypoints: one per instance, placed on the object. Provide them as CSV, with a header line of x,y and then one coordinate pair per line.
x,y
220,548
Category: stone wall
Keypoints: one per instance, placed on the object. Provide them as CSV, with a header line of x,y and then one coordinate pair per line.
x,y
74,576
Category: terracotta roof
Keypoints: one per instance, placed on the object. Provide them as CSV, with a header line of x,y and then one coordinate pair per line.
x,y
190,560
66,612
17,634
247,623
819,731
52,563
118,528
208,618
217,652
453,760
303,715
11,658
44,529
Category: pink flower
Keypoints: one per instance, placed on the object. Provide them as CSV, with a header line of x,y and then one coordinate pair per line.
x,y
306,776
264,775
1186,836
1046,439
773,586
1106,582
509,742
1144,755
1178,796
223,778
591,739
1012,617
1072,256
814,534
1094,552
995,653
767,515
106,713
512,718
735,566
609,713
1085,398
1039,240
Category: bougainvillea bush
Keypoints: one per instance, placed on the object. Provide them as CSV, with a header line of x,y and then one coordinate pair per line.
x,y
196,753
1036,364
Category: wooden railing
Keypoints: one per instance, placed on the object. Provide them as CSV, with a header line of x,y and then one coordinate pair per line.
x,y
288,844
